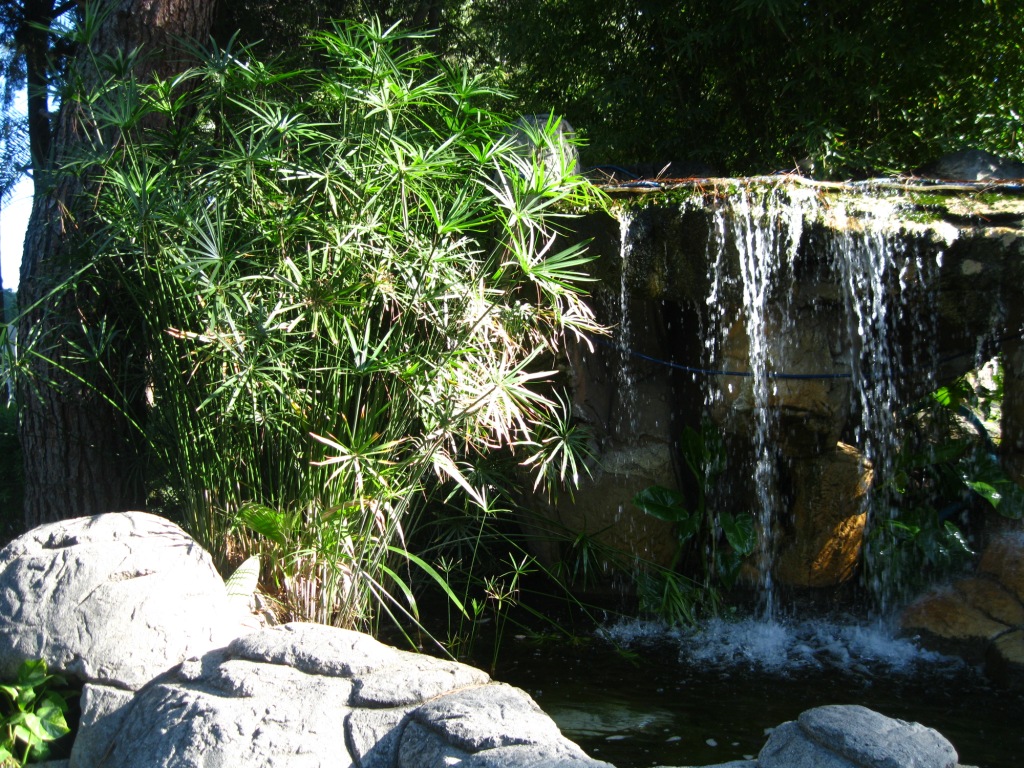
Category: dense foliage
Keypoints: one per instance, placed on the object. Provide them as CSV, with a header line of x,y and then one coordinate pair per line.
x,y
834,87
759,85
349,284
348,249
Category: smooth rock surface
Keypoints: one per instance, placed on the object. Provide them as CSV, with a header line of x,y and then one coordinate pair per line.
x,y
946,613
1004,660
103,711
850,736
114,599
1003,559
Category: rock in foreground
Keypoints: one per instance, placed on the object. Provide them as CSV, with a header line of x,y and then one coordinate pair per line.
x,y
310,695
114,599
854,737
132,607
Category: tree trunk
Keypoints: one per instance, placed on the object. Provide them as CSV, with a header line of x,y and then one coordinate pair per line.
x,y
81,451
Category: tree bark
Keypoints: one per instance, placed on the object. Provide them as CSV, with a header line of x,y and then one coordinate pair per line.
x,y
81,452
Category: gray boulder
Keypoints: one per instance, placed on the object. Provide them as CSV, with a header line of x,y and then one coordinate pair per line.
x,y
838,736
307,694
114,599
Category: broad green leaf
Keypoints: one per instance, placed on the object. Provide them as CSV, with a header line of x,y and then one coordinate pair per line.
x,y
32,673
739,532
956,537
663,503
986,491
244,581
50,723
687,526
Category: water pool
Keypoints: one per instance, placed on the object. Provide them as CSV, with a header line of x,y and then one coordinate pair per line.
x,y
639,696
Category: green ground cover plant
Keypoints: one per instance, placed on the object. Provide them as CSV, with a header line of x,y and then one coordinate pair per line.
x,y
33,714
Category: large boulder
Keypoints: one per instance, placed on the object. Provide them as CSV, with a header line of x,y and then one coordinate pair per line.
x,y
310,695
113,600
838,736
1003,560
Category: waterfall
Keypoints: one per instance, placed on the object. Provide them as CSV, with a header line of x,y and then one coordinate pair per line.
x,y
628,420
763,236
881,278
797,329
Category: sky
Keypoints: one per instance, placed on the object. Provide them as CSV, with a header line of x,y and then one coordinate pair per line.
x,y
13,219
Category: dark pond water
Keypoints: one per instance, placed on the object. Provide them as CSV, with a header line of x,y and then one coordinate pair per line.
x,y
638,696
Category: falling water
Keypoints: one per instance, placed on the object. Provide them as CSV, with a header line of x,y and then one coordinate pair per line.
x,y
876,285
749,318
878,274
625,421
762,248
865,262
628,411
765,236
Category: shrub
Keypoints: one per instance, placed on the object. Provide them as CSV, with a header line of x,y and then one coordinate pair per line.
x,y
348,281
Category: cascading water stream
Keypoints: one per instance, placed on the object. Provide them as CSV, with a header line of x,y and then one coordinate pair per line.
x,y
627,396
794,289
765,236
877,274
820,329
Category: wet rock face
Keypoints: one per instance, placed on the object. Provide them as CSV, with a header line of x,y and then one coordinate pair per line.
x,y
824,545
868,299
980,617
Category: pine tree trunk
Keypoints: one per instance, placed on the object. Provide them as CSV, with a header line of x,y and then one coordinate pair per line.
x,y
81,451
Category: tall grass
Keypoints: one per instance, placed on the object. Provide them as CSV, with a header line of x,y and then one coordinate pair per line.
x,y
349,284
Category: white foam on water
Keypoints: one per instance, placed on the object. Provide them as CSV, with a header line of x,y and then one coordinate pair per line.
x,y
788,646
